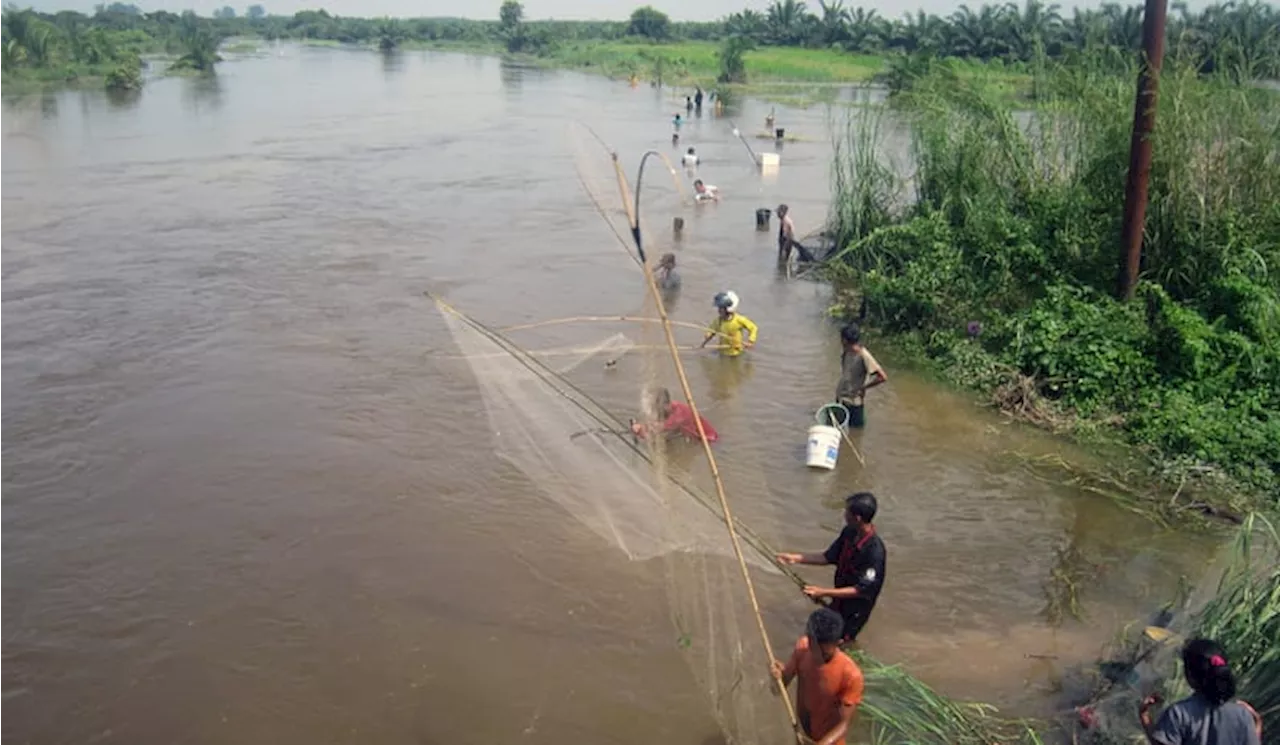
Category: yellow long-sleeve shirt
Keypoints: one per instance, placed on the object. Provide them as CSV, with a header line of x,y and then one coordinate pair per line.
x,y
730,331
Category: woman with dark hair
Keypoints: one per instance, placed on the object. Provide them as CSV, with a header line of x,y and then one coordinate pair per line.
x,y
1211,715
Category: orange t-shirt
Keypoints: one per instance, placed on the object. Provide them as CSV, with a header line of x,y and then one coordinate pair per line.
x,y
823,687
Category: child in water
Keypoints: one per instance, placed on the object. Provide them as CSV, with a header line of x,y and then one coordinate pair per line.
x,y
731,326
705,192
1210,716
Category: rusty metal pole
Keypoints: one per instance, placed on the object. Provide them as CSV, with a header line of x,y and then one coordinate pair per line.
x,y
1144,121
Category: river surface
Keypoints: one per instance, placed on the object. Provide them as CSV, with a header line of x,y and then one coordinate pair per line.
x,y
250,494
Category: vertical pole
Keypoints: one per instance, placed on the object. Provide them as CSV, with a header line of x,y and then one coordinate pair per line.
x,y
1144,121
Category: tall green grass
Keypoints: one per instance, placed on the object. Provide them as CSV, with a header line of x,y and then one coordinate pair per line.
x,y
1244,616
902,710
1014,223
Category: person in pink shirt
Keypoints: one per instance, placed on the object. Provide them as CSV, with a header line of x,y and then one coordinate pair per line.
x,y
677,419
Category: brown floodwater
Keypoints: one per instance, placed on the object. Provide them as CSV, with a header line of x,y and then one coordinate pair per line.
x,y
250,494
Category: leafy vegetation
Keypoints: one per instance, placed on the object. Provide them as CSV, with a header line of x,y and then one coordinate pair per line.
x,y
67,45
1237,39
1000,257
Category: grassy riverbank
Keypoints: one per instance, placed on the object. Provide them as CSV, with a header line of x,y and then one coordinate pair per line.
x,y
998,267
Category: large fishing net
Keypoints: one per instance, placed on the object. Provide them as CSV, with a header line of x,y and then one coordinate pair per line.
x,y
585,460
631,492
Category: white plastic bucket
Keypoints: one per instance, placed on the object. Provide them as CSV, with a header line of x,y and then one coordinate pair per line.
x,y
824,447
769,160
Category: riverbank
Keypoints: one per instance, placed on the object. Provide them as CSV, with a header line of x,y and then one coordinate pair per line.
x,y
997,274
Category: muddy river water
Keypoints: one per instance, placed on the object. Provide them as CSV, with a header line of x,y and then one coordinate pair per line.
x,y
247,497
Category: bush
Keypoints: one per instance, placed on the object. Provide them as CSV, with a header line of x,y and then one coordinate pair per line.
x,y
1015,225
126,77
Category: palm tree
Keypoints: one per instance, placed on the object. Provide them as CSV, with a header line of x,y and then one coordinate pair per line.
x,y
1035,27
748,23
867,31
787,21
835,22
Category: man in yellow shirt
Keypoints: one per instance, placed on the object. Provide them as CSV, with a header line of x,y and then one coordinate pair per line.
x,y
731,326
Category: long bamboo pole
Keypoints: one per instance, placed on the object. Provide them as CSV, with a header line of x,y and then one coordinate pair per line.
x,y
656,296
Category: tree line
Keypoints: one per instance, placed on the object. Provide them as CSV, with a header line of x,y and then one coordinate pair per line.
x,y
1239,38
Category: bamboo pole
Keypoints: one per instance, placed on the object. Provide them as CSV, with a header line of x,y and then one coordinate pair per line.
x,y
667,325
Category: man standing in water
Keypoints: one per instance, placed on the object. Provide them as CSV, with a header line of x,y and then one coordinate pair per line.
x,y
859,372
831,683
859,556
787,238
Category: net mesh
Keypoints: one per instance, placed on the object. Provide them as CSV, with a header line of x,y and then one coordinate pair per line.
x,y
584,459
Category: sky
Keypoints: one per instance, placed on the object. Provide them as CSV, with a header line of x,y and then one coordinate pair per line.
x,y
680,10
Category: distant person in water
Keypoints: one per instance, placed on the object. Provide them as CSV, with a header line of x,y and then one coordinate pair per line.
x,y
673,419
830,683
665,275
690,159
688,104
859,557
731,329
705,192
859,372
675,128
697,97
788,246
1212,715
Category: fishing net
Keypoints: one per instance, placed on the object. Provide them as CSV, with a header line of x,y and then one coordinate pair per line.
x,y
643,497
584,459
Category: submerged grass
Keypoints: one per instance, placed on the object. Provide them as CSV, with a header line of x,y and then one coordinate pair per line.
x,y
902,710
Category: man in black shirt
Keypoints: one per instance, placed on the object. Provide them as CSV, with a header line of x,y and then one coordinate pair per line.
x,y
859,557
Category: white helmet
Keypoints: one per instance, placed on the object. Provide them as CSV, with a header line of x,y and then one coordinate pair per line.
x,y
727,300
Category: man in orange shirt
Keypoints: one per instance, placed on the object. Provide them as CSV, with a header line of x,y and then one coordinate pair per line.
x,y
830,686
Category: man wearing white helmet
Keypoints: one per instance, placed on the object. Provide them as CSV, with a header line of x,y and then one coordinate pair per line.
x,y
731,326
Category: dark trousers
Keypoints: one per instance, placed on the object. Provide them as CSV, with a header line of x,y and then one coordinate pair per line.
x,y
855,612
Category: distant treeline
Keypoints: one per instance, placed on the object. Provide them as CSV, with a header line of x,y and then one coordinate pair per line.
x,y
1238,38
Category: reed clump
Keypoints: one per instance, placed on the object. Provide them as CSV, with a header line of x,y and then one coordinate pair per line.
x,y
903,710
1242,613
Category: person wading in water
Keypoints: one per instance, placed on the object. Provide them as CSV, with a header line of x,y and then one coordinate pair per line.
x,y
859,372
731,326
673,419
1210,716
859,557
787,238
831,683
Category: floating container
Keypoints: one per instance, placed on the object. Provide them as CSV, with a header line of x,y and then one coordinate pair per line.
x,y
762,218
769,160
779,133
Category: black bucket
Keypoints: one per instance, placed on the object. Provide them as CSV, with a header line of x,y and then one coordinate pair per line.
x,y
762,218
779,133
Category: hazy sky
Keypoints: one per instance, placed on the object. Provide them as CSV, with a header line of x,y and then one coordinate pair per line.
x,y
684,10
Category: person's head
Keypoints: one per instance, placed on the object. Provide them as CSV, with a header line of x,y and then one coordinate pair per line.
x,y
1204,662
851,336
662,402
859,509
698,186
691,151
783,210
726,302
668,261
825,629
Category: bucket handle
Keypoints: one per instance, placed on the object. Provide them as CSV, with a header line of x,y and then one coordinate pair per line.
x,y
843,419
